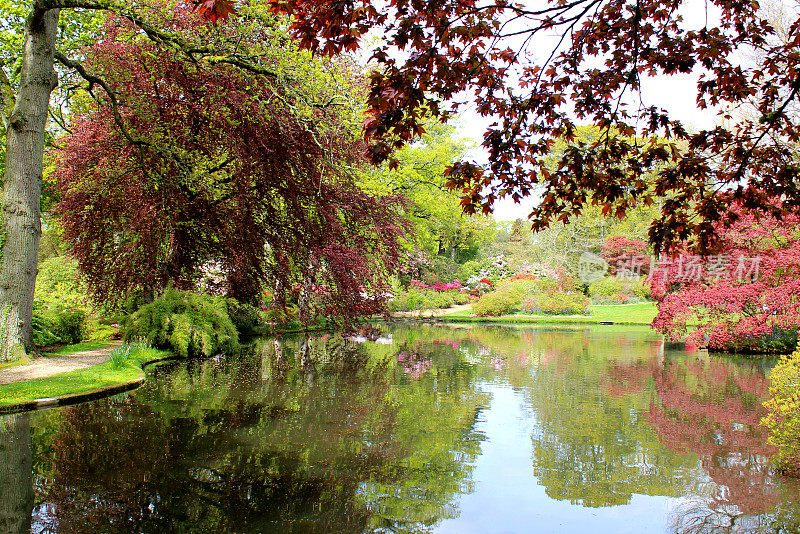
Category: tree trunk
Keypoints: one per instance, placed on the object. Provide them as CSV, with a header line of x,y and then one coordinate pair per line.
x,y
22,183
16,476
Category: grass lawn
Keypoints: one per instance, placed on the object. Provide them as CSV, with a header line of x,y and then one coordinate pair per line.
x,y
81,380
640,313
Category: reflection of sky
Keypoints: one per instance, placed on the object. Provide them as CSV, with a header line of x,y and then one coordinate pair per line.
x,y
509,499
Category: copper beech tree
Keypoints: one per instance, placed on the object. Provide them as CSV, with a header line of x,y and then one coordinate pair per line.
x,y
538,69
25,103
249,168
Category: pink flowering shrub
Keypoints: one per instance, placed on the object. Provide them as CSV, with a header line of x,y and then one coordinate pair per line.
x,y
624,254
746,298
414,266
455,285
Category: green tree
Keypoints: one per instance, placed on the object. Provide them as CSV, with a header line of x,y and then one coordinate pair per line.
x,y
440,226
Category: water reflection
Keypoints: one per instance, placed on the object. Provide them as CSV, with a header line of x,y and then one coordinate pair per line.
x,y
410,430
16,475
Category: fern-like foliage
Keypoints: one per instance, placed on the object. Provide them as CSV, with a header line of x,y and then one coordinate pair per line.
x,y
191,324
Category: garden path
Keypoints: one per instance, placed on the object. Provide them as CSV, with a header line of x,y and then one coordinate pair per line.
x,y
53,365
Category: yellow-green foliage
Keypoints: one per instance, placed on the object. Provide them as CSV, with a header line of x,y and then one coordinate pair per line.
x,y
191,324
508,296
496,303
602,290
425,299
783,420
557,303
58,285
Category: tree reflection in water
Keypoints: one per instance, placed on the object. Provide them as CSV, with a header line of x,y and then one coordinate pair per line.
x,y
16,475
332,446
382,432
711,408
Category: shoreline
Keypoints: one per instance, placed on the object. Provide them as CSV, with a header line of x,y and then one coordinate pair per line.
x,y
79,385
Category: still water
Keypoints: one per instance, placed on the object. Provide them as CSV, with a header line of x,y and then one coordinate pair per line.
x,y
425,429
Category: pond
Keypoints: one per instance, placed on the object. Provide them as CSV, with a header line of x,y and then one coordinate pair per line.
x,y
436,429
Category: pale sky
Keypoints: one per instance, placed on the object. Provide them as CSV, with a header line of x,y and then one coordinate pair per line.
x,y
676,94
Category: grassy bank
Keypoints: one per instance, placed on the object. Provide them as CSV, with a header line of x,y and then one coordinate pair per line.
x,y
642,313
81,380
78,347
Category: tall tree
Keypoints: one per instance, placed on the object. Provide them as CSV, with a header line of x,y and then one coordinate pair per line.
x,y
256,175
456,51
439,224
25,103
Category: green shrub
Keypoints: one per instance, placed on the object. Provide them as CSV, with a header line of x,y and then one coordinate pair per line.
x,y
43,326
460,298
57,325
469,269
527,287
68,324
425,299
58,284
103,329
134,300
783,420
244,316
496,303
190,324
604,290
557,303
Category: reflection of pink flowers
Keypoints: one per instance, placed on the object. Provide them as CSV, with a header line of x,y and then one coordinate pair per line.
x,y
547,357
498,363
452,343
115,325
412,364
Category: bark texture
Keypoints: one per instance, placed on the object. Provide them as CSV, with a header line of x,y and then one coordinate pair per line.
x,y
16,476
22,182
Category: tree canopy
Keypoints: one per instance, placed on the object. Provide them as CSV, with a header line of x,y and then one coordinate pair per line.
x,y
211,161
436,57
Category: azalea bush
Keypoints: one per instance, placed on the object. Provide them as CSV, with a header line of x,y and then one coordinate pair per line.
x,y
744,299
496,303
512,294
415,265
455,285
